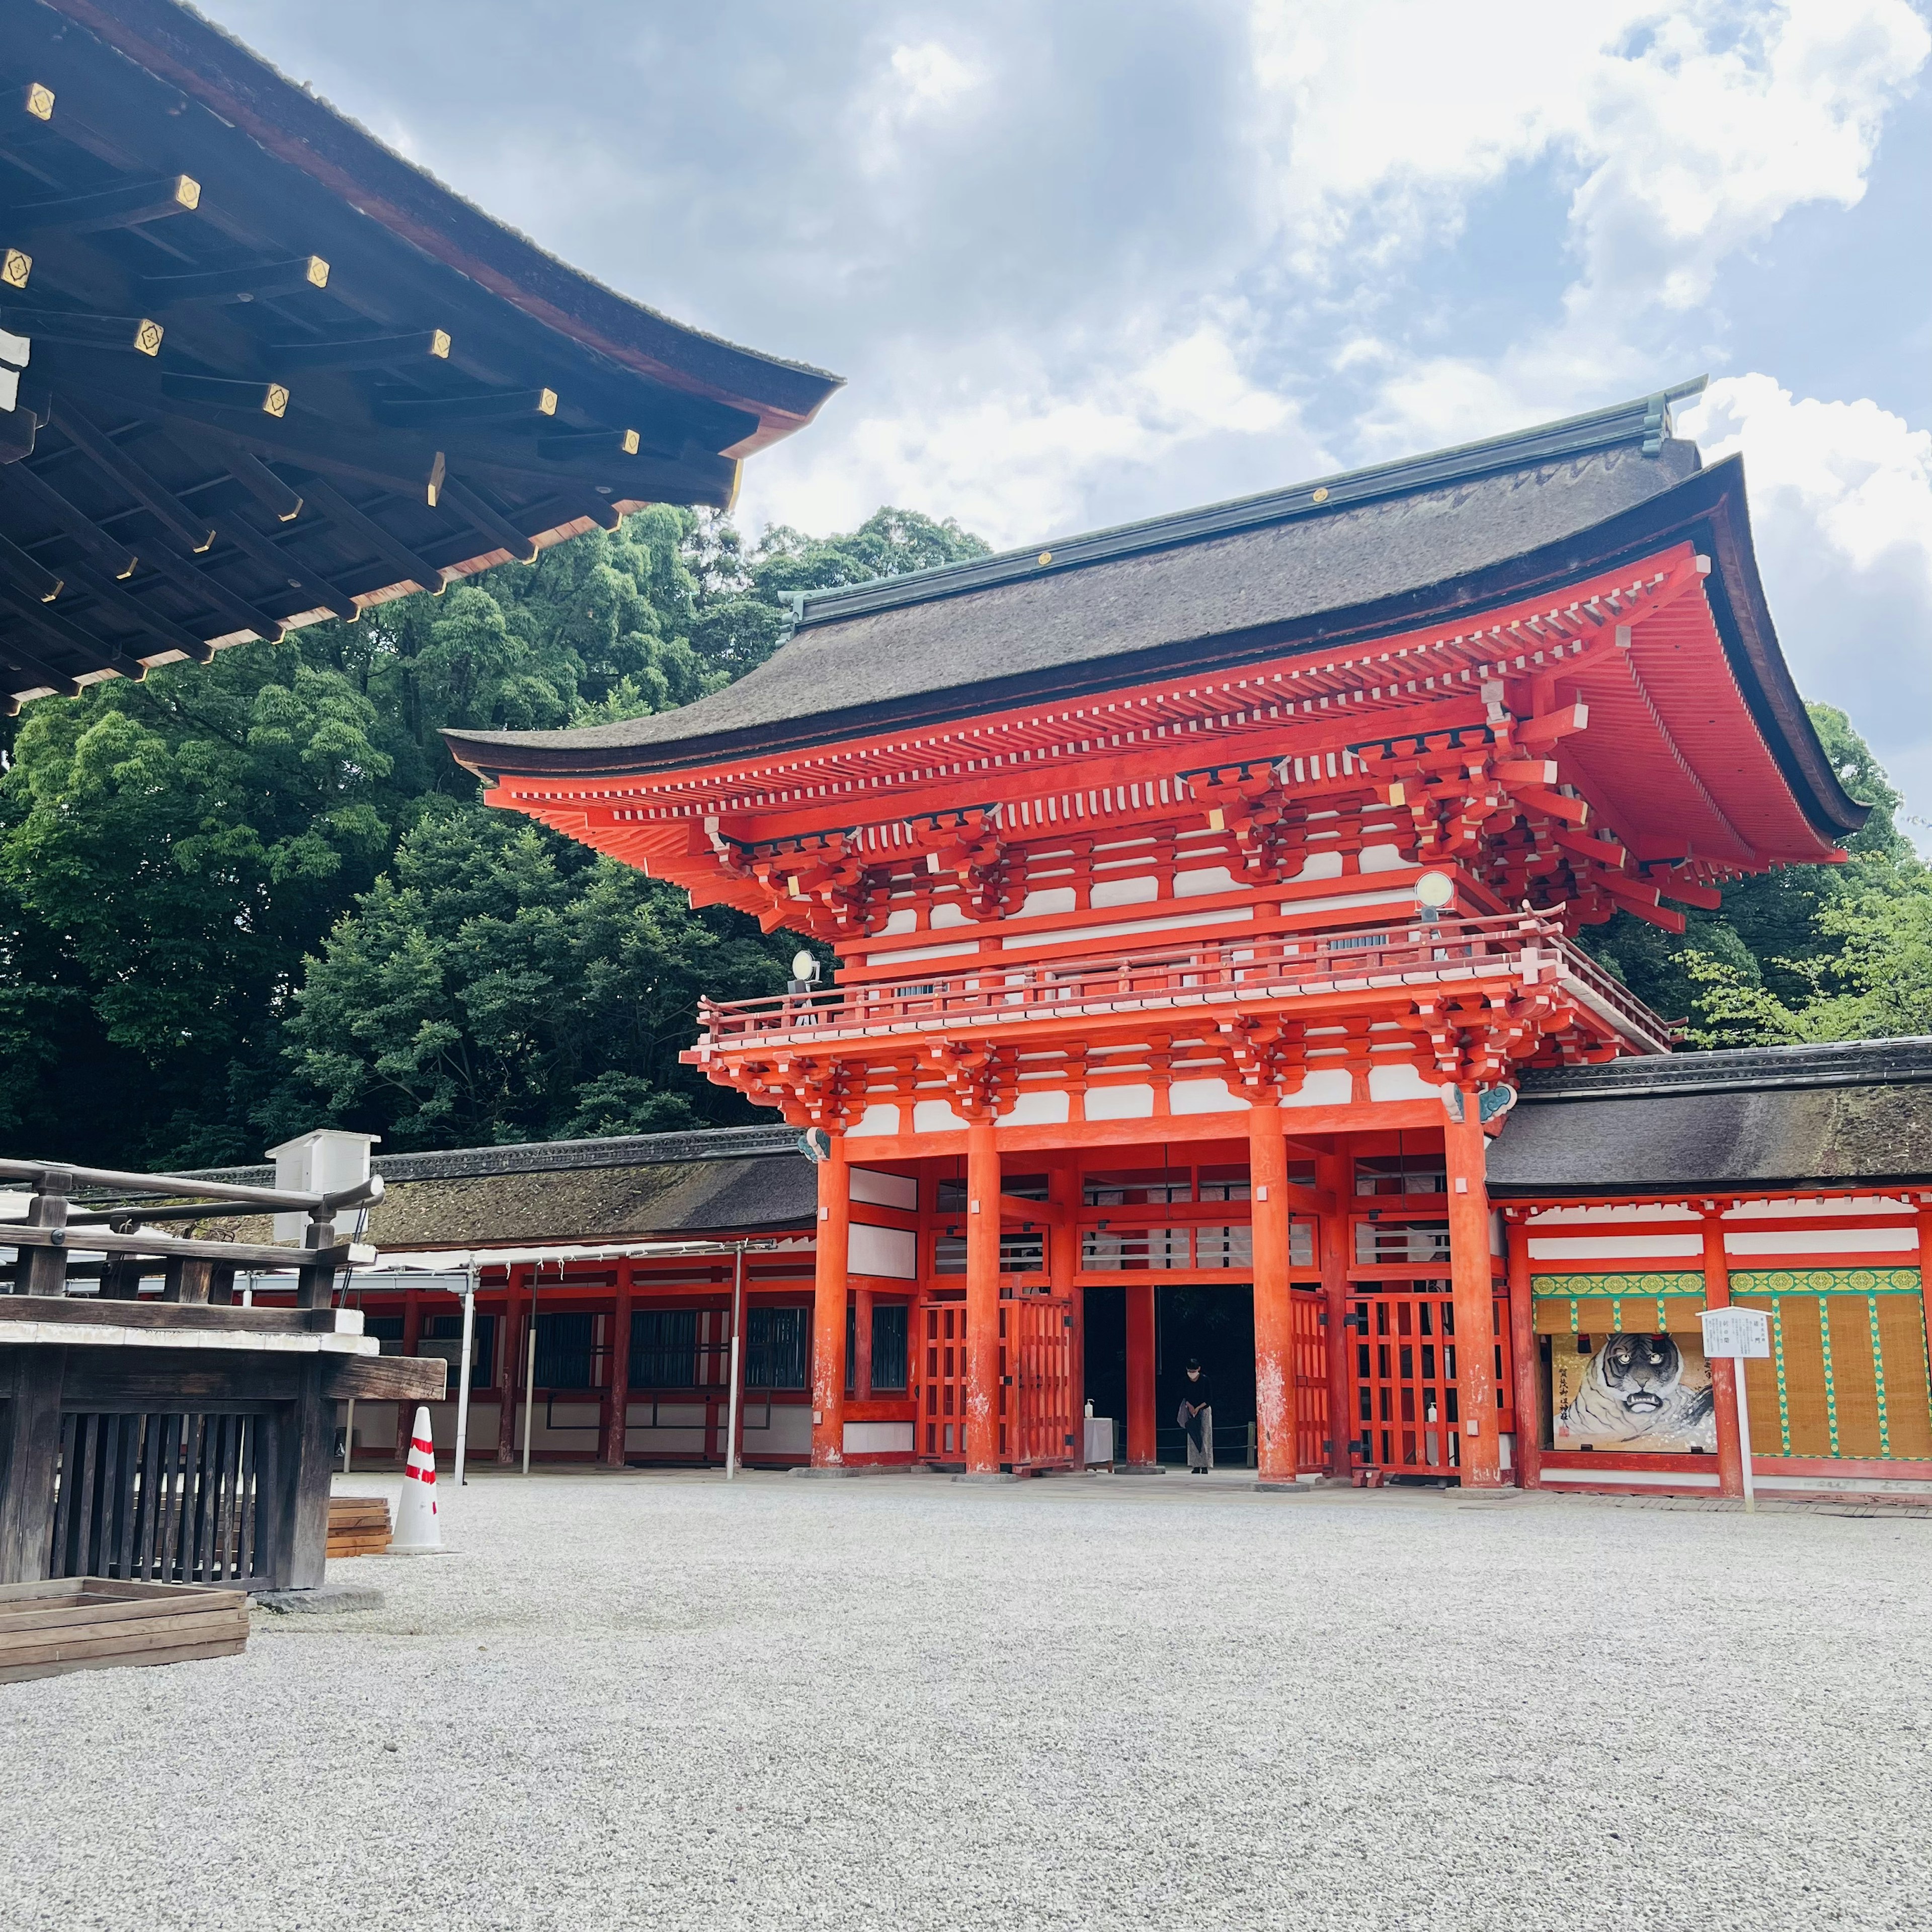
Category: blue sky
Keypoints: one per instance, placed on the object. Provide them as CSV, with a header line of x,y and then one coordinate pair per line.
x,y
1083,261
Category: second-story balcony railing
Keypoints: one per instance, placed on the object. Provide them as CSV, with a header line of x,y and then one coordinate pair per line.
x,y
1204,974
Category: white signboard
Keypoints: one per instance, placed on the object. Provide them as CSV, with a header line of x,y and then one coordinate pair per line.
x,y
1736,1332
1741,1333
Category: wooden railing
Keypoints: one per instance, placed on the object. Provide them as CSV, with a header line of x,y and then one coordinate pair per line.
x,y
85,1255
1214,972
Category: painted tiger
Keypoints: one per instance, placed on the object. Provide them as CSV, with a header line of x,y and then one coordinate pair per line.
x,y
1635,1393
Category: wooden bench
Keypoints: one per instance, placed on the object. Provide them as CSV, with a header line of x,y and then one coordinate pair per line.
x,y
95,1623
357,1526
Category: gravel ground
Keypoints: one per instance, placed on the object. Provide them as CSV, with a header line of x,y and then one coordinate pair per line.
x,y
651,1700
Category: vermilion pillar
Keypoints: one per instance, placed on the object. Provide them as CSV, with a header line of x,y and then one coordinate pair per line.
x,y
828,1308
618,1394
1141,1446
1274,1308
1526,1357
1062,1266
982,1301
1335,1177
1468,1149
1726,1391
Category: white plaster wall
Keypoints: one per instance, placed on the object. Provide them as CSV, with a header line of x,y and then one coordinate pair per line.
x,y
1199,883
878,1439
934,1117
1119,1103
882,1116
1400,1080
1327,1087
1203,1097
1123,892
1041,1108
892,1251
884,1190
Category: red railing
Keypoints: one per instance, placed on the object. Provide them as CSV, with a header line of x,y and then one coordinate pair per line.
x,y
1216,972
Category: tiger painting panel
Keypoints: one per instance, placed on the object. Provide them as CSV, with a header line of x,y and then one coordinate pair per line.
x,y
1649,1392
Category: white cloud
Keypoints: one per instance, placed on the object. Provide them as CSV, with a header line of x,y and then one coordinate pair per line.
x,y
1841,508
1018,457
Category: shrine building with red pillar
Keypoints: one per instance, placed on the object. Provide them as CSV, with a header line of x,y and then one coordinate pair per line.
x,y
1203,895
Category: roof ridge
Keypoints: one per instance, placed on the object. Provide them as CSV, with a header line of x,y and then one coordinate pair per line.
x,y
1644,419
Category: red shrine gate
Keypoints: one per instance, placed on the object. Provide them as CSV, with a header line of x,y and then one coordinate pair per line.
x,y
1281,895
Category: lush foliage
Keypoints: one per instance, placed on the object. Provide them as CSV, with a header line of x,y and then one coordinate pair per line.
x,y
238,900
1814,952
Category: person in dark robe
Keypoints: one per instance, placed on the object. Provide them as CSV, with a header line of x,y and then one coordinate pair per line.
x,y
1197,1420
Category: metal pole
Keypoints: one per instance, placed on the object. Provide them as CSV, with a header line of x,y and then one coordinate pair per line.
x,y
1744,1435
463,1386
348,1436
737,1314
530,1374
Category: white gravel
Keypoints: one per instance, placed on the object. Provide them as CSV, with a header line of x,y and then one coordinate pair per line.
x,y
651,1700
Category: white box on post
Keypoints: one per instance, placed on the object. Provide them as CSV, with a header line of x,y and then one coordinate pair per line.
x,y
321,1163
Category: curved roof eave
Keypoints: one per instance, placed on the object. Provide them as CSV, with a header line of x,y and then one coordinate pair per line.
x,y
1708,508
212,67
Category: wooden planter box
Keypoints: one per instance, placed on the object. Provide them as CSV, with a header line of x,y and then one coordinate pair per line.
x,y
93,1623
357,1526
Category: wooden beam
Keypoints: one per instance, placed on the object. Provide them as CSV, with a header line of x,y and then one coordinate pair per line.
x,y
28,488
127,205
254,476
224,392
137,335
405,411
289,277
1533,733
118,597
36,672
95,652
496,528
373,352
237,611
31,576
105,454
331,503
1706,898
290,570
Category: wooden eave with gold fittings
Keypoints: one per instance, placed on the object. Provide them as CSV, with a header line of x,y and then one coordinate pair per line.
x,y
257,369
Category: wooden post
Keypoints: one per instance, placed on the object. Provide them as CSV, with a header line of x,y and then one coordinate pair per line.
x,y
30,1444
617,1379
1334,1176
1474,1288
828,1308
1275,1419
406,1413
862,1345
1140,1450
1526,1354
43,1270
299,1533
1726,1383
1063,1269
509,1373
983,1300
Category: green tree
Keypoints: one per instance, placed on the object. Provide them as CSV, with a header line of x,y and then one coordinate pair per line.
x,y
1755,971
501,983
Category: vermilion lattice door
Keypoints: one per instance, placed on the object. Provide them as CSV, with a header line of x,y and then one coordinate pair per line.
x,y
1036,1382
1311,1381
1406,1394
941,1360
1407,1415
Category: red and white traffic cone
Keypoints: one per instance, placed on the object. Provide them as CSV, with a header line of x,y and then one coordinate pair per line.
x,y
418,1526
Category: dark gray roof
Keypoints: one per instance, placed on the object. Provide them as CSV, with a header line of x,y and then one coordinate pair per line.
x,y
1857,1113
761,1195
944,642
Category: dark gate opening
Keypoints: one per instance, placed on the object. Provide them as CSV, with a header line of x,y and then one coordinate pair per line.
x,y
1215,1326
